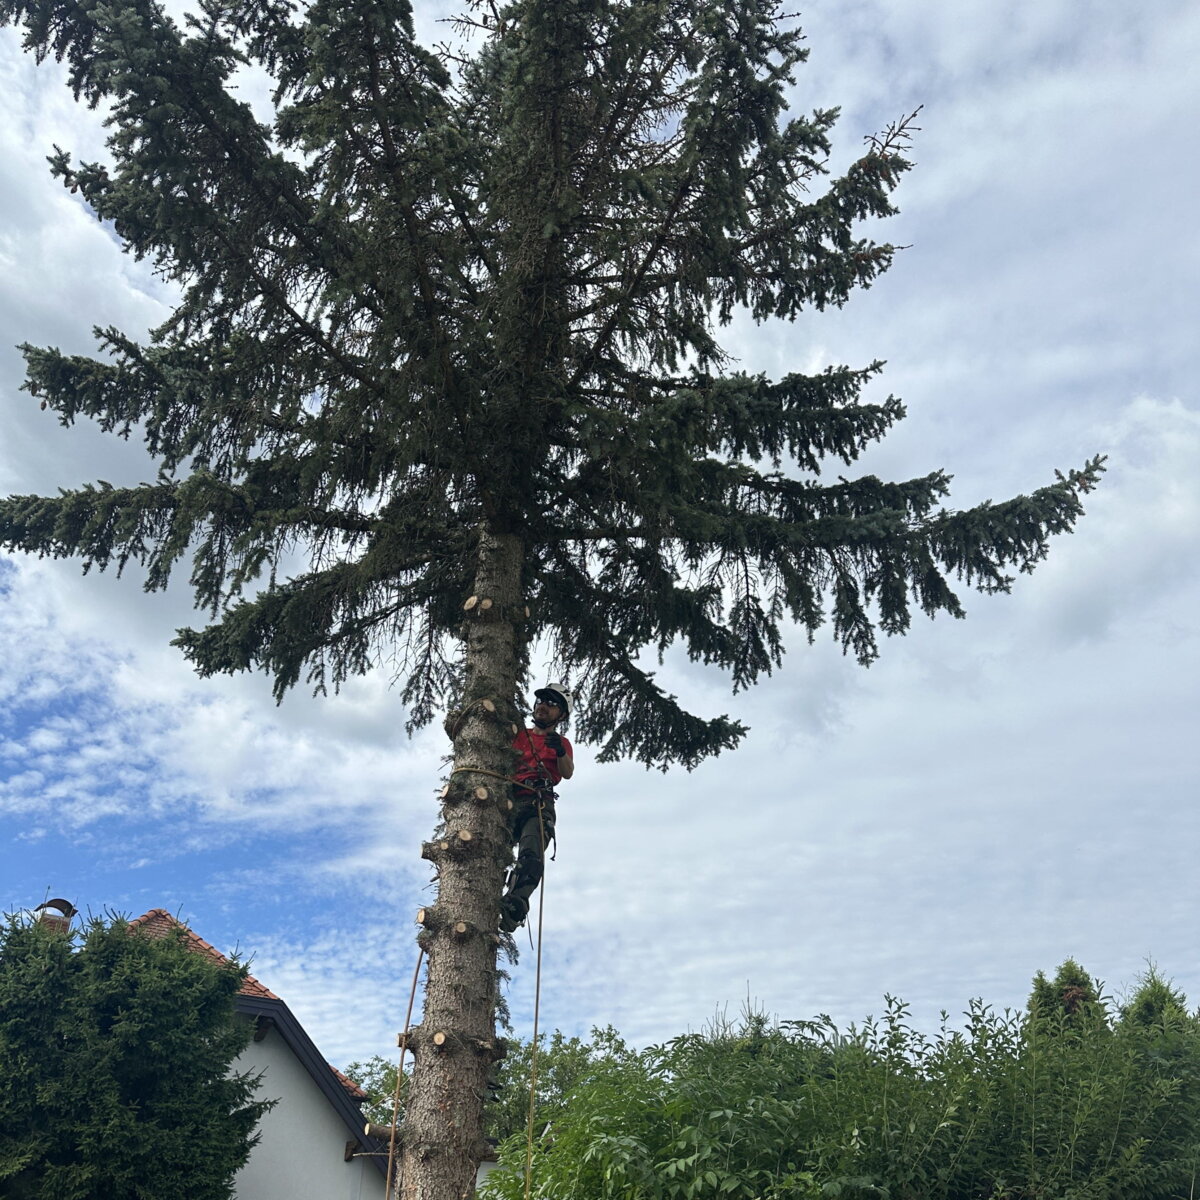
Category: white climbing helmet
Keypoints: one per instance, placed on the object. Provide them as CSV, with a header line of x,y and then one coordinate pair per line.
x,y
556,693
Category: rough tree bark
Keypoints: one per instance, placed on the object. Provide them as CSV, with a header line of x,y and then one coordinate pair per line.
x,y
442,1140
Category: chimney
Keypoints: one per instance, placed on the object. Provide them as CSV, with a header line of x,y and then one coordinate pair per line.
x,y
56,915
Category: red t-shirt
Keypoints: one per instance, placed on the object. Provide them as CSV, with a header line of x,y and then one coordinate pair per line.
x,y
531,745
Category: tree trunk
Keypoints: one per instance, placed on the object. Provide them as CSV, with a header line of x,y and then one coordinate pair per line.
x,y
454,1047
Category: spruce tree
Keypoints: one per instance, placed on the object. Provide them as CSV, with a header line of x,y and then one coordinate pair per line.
x,y
115,1057
1070,1000
448,329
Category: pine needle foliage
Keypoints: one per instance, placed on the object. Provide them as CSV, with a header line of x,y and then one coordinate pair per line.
x,y
1071,999
435,295
115,1067
1010,1107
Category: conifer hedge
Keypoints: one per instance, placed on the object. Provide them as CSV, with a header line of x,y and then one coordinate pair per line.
x,y
115,1067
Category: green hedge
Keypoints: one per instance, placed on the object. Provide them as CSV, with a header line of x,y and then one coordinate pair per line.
x,y
1074,1098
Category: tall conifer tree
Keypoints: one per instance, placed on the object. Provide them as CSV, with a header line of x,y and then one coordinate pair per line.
x,y
117,1057
447,327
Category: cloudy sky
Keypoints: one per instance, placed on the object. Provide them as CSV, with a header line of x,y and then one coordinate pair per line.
x,y
993,796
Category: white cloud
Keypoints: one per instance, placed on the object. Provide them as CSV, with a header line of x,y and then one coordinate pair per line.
x,y
992,796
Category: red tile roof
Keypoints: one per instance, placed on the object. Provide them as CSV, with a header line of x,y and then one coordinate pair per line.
x,y
158,923
349,1084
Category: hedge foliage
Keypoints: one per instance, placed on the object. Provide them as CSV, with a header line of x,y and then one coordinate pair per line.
x,y
1076,1098
115,1067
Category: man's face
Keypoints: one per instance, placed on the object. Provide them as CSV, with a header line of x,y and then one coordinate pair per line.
x,y
546,712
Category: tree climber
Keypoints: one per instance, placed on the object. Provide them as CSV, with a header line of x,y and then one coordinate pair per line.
x,y
545,759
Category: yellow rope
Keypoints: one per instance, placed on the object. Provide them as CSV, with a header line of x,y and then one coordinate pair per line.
x,y
387,1191
537,1002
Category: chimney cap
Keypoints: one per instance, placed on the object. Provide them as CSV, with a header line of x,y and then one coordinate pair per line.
x,y
56,913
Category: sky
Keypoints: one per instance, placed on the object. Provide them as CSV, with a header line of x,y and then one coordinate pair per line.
x,y
991,797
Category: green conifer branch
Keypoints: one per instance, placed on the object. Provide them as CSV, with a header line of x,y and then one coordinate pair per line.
x,y
425,298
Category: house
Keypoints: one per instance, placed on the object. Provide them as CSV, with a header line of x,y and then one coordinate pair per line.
x,y
311,1143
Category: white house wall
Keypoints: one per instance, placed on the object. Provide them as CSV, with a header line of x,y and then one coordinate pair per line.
x,y
300,1155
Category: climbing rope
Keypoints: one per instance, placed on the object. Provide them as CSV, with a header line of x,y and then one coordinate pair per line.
x,y
537,997
460,717
537,1003
387,1191
481,771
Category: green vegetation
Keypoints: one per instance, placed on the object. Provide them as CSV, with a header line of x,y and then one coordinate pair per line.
x,y
1076,1098
562,1064
115,1055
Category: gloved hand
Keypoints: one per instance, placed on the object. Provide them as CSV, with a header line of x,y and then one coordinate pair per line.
x,y
555,742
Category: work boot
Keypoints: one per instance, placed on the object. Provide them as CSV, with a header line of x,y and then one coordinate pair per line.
x,y
513,911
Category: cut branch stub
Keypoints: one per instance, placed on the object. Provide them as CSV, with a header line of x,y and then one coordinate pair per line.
x,y
464,839
488,706
484,605
384,1133
439,1040
460,929
470,604
481,794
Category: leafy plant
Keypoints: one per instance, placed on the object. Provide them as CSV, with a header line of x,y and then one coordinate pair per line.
x,y
1040,1105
